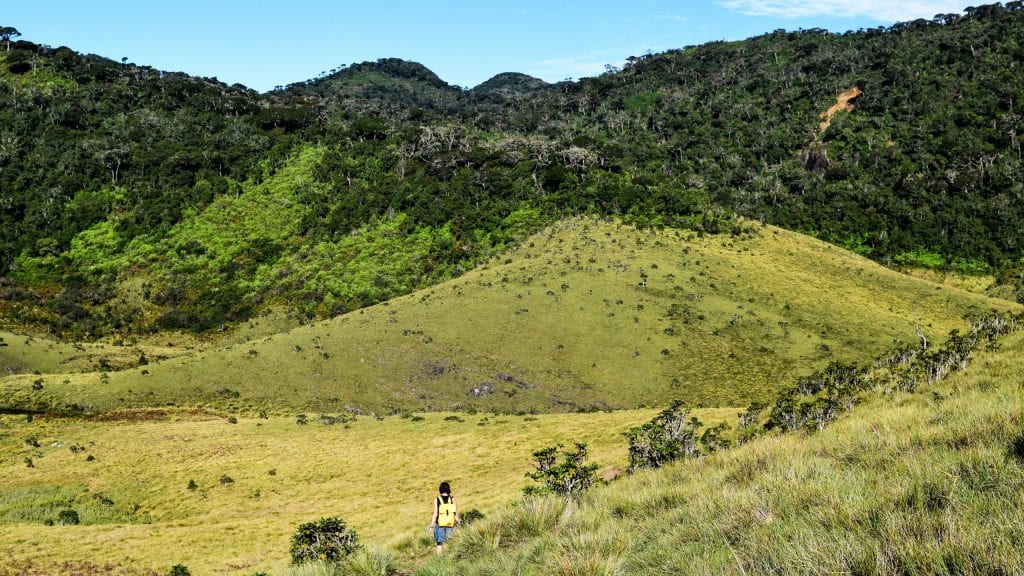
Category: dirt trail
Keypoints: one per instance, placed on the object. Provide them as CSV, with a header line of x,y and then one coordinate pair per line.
x,y
842,103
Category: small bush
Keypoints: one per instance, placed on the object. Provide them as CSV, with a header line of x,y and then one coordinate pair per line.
x,y
225,479
179,570
68,518
470,516
669,436
325,539
192,486
569,477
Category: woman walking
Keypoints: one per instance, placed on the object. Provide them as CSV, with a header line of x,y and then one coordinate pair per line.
x,y
446,515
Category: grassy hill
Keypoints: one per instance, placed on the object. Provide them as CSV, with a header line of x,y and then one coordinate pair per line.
x,y
585,315
923,483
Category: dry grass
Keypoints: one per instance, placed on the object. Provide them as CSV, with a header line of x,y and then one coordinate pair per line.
x,y
138,512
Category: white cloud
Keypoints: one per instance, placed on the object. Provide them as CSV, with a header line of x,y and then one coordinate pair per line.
x,y
881,10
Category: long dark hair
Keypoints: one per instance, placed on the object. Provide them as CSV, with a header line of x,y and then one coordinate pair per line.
x,y
445,491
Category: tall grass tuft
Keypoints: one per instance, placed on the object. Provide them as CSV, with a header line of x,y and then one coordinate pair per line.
x,y
369,561
534,517
317,568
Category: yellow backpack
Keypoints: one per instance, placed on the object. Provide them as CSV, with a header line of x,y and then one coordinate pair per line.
x,y
446,512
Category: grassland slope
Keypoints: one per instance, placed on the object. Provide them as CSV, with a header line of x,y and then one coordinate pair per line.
x,y
587,314
128,477
924,483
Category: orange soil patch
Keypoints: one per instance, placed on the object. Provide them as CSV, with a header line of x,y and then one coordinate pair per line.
x,y
842,103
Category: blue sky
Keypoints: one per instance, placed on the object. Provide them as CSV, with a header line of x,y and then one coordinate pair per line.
x,y
265,43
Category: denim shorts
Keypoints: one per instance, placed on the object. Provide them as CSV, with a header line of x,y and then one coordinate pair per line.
x,y
441,533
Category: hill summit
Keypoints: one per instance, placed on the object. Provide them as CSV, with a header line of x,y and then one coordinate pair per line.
x,y
394,68
514,82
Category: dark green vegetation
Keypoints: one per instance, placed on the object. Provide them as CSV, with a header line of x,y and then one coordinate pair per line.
x,y
562,472
135,199
325,539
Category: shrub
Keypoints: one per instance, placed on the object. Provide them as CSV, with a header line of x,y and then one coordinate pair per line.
x,y
713,439
569,478
668,436
921,258
325,539
470,516
180,570
68,518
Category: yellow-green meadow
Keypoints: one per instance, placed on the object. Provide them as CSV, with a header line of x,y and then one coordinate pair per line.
x,y
257,479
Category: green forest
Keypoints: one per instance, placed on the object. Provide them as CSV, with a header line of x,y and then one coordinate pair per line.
x,y
133,199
